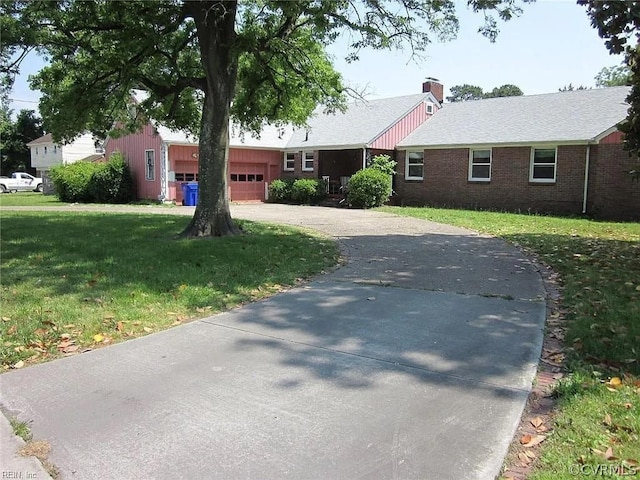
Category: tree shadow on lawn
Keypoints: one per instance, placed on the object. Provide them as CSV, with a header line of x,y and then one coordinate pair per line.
x,y
98,254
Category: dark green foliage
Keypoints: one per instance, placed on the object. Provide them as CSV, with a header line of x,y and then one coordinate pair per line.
x,y
72,181
280,190
301,190
307,190
369,188
466,92
112,181
14,136
619,24
109,182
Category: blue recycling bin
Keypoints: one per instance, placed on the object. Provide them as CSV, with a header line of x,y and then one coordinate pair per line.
x,y
190,194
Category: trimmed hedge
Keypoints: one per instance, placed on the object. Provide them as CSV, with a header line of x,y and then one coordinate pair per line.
x,y
112,181
104,182
72,181
301,190
280,190
369,188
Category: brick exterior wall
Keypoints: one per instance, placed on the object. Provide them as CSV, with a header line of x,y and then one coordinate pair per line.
x,y
446,181
298,172
613,193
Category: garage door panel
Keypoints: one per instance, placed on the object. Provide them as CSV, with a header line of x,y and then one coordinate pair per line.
x,y
247,181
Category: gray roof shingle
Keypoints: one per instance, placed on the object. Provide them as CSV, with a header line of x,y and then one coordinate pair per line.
x,y
359,125
579,115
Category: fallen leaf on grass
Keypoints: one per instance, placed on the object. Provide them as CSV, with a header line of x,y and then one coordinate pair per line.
x,y
19,364
119,326
6,319
98,338
614,384
607,420
12,329
147,329
607,454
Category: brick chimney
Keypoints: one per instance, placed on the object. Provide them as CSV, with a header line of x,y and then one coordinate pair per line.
x,y
434,86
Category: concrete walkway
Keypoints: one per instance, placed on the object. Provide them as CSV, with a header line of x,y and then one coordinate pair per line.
x,y
413,361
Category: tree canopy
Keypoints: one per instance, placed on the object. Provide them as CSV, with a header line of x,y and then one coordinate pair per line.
x,y
613,76
466,92
14,136
202,62
618,23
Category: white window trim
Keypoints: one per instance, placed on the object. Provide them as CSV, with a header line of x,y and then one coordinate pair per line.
x,y
285,168
471,178
555,164
146,169
406,165
304,161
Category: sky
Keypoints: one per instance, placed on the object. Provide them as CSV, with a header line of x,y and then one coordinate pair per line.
x,y
552,44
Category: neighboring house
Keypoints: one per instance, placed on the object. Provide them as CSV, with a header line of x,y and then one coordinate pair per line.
x,y
45,153
555,153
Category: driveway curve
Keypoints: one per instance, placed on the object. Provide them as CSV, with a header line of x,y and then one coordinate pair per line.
x,y
411,361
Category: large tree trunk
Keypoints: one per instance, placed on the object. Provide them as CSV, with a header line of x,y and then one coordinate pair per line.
x,y
215,23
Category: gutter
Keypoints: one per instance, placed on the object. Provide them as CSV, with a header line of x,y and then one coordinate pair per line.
x,y
586,180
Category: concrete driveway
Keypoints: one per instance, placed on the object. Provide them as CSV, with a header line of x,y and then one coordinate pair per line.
x,y
412,361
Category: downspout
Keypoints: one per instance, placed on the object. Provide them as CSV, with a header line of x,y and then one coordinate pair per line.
x,y
364,157
586,180
164,172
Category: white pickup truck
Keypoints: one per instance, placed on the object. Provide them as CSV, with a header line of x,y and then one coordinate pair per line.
x,y
20,181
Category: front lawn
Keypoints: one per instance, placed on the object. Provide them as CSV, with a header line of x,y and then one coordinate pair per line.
x,y
29,199
77,281
598,417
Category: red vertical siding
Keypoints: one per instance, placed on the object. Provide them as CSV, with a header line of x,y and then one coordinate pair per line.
x,y
615,137
403,127
132,148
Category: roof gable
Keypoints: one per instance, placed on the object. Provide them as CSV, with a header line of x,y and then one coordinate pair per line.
x,y
47,138
579,115
358,126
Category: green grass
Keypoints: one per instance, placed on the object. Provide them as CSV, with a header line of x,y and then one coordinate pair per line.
x,y
21,429
29,199
599,265
72,281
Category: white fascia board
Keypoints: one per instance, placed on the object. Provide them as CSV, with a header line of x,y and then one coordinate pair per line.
x,y
496,145
604,134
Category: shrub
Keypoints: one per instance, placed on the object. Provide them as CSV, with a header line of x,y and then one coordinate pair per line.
x,y
307,190
109,182
112,181
72,181
384,164
280,190
369,188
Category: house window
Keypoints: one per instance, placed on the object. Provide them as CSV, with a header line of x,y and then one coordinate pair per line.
x,y
289,161
307,161
415,166
55,149
543,165
480,165
45,150
36,150
150,165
